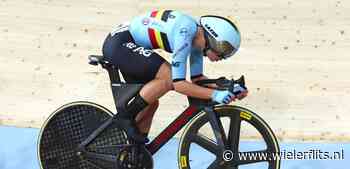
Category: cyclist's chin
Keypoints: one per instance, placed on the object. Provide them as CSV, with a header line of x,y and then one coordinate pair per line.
x,y
213,58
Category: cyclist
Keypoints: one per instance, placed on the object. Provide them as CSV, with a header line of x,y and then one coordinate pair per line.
x,y
130,47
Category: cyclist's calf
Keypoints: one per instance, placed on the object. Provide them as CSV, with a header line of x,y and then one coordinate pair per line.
x,y
133,107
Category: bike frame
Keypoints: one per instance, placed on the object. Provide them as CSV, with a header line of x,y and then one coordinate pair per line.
x,y
182,121
172,129
196,106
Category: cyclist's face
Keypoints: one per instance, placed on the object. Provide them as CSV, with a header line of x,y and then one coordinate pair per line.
x,y
212,56
200,42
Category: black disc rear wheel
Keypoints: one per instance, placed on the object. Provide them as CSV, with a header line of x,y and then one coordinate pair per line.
x,y
67,127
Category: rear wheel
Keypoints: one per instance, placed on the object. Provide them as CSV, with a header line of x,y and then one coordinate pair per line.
x,y
199,149
67,127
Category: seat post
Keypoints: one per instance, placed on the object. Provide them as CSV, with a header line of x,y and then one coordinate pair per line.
x,y
122,92
113,73
116,83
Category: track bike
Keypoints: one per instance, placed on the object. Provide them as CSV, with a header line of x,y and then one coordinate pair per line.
x,y
85,135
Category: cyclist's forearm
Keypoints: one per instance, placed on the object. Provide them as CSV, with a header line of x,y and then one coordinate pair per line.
x,y
193,90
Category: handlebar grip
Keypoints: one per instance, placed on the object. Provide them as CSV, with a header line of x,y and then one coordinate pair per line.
x,y
223,83
206,81
241,81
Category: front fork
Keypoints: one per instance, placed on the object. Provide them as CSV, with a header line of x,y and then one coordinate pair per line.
x,y
217,127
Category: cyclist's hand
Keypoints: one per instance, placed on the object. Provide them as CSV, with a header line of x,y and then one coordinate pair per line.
x,y
222,96
240,91
242,95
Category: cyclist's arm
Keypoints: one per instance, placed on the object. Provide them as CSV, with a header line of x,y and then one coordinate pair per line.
x,y
182,49
196,64
196,67
178,70
193,90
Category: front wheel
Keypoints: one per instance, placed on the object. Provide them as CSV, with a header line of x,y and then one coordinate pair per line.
x,y
198,147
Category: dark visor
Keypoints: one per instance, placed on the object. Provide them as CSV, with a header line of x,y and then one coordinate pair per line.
x,y
223,48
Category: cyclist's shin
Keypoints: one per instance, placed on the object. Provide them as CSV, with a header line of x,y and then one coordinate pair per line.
x,y
128,115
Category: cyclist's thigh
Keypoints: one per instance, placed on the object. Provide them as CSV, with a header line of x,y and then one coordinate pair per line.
x,y
136,63
139,67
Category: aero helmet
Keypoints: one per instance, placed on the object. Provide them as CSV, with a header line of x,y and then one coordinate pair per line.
x,y
222,36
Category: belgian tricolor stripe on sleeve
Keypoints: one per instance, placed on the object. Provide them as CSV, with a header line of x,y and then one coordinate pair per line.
x,y
157,38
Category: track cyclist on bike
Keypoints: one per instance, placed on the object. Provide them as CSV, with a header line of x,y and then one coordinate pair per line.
x,y
130,47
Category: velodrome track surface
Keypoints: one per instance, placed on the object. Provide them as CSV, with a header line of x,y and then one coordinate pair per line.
x,y
295,55
18,151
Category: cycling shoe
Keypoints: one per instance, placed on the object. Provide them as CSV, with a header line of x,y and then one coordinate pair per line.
x,y
131,130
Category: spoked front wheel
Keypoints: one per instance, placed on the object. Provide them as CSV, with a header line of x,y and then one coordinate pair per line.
x,y
199,148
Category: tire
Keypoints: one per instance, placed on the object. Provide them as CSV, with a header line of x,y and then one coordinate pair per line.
x,y
192,137
67,127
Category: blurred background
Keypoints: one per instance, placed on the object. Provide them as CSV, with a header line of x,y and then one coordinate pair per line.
x,y
294,55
